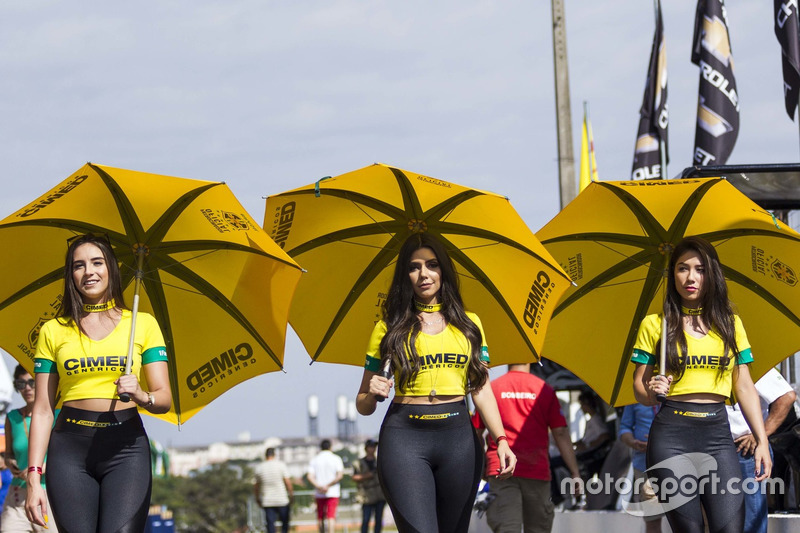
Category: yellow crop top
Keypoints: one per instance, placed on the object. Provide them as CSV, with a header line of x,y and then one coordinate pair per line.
x,y
88,368
444,359
704,357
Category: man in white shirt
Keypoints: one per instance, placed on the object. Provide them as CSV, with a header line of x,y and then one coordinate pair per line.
x,y
777,398
325,471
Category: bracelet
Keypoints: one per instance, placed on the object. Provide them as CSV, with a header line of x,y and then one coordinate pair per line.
x,y
35,469
151,400
501,437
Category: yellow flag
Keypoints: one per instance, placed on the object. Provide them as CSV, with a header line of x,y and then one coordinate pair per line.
x,y
588,171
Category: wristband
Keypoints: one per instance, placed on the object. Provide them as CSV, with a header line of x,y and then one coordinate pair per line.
x,y
35,469
501,437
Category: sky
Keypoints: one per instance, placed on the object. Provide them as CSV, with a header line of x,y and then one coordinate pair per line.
x,y
268,96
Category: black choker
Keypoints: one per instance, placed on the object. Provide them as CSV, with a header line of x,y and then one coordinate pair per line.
x,y
96,308
427,308
690,311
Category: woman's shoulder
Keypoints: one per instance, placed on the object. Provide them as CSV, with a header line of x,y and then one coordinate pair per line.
x,y
652,320
472,316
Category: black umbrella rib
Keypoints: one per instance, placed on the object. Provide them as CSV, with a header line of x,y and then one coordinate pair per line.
x,y
131,223
440,211
638,241
413,209
357,198
648,293
643,258
754,287
51,277
389,229
677,229
646,219
375,267
161,226
189,277
211,246
726,234
478,274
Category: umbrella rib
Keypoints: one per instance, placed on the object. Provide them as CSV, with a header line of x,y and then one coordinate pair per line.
x,y
347,233
51,277
492,289
378,263
211,293
131,223
646,220
761,292
679,224
600,280
412,207
648,292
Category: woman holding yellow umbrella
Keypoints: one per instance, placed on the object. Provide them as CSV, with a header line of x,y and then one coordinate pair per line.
x,y
704,356
438,353
98,464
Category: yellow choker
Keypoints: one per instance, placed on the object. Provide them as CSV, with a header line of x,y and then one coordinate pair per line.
x,y
96,308
691,312
427,308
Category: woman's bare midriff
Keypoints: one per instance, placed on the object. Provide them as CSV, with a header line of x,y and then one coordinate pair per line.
x,y
699,397
100,405
427,400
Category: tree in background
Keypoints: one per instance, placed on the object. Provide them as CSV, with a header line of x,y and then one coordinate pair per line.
x,y
213,500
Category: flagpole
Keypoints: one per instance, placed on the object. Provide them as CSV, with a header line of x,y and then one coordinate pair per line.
x,y
662,146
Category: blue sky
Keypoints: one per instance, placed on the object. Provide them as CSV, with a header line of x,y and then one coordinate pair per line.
x,y
269,95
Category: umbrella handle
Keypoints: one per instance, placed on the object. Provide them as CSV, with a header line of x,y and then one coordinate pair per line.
x,y
386,373
663,356
125,397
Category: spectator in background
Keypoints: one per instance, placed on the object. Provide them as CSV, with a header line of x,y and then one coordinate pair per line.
x,y
634,430
596,431
528,408
370,493
325,472
17,426
777,399
273,490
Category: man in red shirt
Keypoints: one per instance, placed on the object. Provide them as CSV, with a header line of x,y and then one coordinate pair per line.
x,y
528,407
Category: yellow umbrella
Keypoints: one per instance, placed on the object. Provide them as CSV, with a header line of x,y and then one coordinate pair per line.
x,y
614,240
219,287
347,231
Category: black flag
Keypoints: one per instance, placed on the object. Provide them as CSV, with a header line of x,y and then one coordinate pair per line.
x,y
718,102
654,117
786,31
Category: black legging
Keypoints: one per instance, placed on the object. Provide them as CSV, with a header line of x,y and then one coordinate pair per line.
x,y
429,465
682,428
98,472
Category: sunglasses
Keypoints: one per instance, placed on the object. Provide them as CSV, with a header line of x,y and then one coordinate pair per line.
x,y
20,384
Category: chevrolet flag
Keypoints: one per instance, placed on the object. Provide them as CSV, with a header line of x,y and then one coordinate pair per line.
x,y
654,116
786,30
718,101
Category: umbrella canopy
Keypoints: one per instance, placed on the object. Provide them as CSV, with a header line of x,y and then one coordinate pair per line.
x,y
218,286
347,231
614,240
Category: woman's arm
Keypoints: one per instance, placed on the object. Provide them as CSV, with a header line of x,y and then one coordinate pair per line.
x,y
646,386
372,386
157,376
748,399
486,404
38,440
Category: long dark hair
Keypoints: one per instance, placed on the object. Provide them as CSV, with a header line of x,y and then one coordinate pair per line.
x,y
403,326
717,311
72,303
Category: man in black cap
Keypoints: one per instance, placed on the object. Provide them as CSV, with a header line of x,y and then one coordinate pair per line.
x,y
370,493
